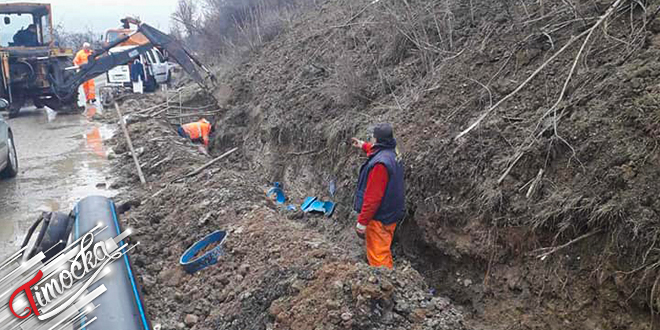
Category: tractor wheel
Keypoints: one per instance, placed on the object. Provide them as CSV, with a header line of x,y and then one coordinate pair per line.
x,y
15,107
38,103
69,105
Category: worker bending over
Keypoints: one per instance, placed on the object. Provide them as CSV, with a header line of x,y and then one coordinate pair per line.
x,y
88,86
198,131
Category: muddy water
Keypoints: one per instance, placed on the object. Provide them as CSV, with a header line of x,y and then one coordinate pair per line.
x,y
61,159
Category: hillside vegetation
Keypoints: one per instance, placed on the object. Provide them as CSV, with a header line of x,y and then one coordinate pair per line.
x,y
528,130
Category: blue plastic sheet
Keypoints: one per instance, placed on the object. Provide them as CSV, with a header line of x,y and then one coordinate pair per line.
x,y
312,204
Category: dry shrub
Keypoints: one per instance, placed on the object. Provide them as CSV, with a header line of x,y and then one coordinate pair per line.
x,y
417,28
231,27
396,50
349,86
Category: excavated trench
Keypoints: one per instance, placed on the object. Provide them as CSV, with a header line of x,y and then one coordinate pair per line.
x,y
489,272
475,234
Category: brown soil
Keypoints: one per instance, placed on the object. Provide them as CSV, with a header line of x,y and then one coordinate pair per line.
x,y
277,273
292,107
205,250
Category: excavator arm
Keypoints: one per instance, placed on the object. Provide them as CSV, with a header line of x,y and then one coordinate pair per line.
x,y
64,86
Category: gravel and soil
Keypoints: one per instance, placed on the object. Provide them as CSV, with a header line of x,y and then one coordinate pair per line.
x,y
277,272
578,183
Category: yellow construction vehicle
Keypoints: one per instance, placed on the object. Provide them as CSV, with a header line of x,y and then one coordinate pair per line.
x,y
35,68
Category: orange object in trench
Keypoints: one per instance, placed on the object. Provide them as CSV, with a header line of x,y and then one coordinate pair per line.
x,y
88,86
379,240
198,130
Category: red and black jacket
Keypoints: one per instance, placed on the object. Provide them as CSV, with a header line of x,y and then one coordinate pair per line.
x,y
380,191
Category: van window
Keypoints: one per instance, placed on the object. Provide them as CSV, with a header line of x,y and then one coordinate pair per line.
x,y
114,35
159,56
111,36
151,57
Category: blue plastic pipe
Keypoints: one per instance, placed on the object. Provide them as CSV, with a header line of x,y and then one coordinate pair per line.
x,y
121,306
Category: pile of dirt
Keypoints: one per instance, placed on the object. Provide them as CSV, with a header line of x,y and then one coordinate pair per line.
x,y
277,272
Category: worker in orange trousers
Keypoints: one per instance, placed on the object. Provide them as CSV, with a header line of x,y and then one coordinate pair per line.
x,y
88,86
380,195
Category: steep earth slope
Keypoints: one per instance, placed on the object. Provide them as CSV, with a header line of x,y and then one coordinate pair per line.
x,y
569,166
543,216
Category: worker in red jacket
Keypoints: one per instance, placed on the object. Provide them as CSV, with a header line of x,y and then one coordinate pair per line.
x,y
380,195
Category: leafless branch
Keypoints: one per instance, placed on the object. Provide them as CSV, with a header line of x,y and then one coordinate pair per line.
x,y
587,33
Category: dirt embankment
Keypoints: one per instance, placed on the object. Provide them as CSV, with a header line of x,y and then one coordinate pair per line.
x,y
277,271
577,176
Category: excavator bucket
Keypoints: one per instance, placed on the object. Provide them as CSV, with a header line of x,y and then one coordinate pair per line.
x,y
176,51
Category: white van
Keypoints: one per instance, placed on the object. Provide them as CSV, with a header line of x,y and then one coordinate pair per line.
x,y
156,68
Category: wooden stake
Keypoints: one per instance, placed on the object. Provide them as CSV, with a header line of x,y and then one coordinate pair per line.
x,y
130,144
201,168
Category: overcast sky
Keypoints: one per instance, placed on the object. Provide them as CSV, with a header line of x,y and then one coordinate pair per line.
x,y
79,15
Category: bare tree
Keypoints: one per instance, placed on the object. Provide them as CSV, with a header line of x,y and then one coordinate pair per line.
x,y
175,31
220,26
75,40
187,15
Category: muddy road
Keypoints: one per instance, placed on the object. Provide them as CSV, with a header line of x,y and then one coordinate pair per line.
x,y
61,159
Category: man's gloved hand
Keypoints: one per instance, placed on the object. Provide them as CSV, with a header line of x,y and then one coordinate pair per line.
x,y
357,143
360,230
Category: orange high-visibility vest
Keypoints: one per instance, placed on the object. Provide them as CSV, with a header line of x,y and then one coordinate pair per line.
x,y
198,130
81,57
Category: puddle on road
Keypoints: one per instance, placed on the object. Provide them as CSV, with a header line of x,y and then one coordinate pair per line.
x,y
61,160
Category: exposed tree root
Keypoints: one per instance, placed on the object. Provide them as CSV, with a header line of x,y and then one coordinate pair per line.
x,y
545,252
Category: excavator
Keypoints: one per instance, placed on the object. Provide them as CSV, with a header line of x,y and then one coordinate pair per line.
x,y
41,71
143,40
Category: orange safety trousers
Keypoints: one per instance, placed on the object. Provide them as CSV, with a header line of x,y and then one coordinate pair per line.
x,y
88,86
90,89
379,240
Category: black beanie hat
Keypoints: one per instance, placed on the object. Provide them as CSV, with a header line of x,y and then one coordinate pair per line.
x,y
383,132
